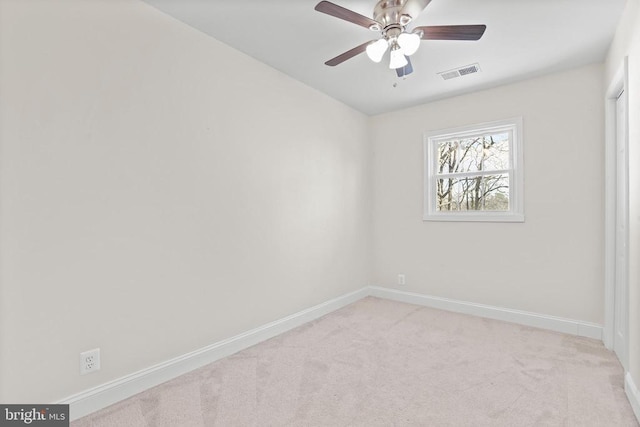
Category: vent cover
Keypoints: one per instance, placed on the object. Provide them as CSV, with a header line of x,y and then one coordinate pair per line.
x,y
450,74
462,71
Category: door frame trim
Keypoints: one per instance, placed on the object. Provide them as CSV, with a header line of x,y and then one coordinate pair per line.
x,y
618,84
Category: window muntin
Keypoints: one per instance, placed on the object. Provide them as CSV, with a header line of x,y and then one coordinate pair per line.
x,y
474,173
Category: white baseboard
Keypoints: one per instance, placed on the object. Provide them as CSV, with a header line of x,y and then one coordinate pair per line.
x,y
107,394
632,394
558,324
100,397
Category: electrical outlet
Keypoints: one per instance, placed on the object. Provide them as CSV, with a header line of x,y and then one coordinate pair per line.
x,y
90,361
401,280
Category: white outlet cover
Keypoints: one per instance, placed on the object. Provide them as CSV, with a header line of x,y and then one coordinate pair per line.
x,y
89,361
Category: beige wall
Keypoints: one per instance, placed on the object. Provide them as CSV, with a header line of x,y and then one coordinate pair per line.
x,y
627,43
550,264
159,192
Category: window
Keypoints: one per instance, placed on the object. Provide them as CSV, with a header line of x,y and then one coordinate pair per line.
x,y
474,173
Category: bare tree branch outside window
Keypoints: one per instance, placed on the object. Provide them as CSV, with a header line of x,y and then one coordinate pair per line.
x,y
473,174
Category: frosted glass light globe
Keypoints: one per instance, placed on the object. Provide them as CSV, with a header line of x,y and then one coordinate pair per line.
x,y
375,51
409,43
398,59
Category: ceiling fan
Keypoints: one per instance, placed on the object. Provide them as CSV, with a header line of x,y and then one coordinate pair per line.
x,y
390,18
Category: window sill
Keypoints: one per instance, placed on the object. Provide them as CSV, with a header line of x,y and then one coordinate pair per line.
x,y
474,217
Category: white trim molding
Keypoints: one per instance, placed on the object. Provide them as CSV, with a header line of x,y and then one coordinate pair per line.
x,y
107,394
632,394
558,324
618,84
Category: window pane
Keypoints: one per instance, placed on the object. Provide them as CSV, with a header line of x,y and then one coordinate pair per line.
x,y
481,153
476,193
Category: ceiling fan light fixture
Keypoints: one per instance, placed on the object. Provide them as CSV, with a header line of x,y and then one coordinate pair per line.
x,y
398,60
376,50
409,42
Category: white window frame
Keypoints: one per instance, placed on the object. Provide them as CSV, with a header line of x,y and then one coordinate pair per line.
x,y
515,172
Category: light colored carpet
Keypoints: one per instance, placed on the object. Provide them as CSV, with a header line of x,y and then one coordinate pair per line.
x,y
384,363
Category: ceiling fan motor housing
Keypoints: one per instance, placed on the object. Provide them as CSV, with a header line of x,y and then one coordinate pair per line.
x,y
397,13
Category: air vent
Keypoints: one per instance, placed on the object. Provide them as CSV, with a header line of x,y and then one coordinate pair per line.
x,y
450,74
469,70
462,71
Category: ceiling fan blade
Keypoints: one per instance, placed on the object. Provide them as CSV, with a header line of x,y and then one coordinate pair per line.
x,y
406,70
452,32
346,14
348,54
413,8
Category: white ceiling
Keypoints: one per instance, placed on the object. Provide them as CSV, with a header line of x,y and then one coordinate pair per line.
x,y
524,38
